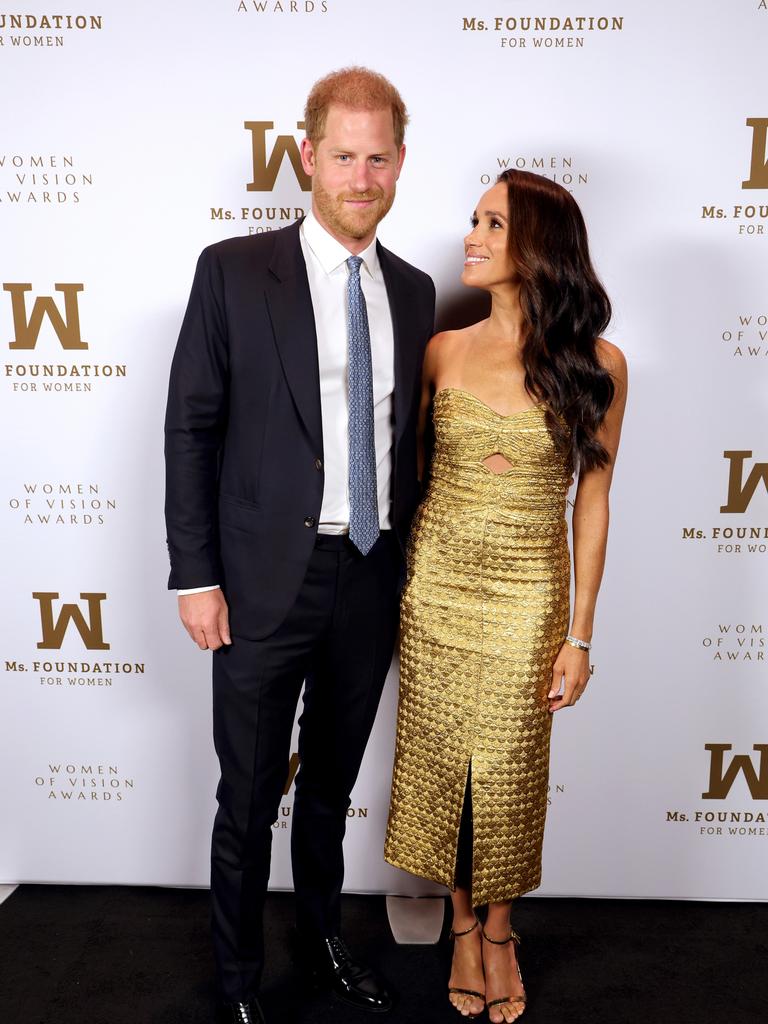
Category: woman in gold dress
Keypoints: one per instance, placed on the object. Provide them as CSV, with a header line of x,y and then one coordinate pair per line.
x,y
519,403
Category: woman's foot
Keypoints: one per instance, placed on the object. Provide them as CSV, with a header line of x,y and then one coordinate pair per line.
x,y
502,978
466,984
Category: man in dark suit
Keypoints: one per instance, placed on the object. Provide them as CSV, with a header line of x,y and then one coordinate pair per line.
x,y
291,483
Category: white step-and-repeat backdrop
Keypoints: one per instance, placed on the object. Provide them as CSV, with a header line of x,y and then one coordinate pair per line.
x,y
135,134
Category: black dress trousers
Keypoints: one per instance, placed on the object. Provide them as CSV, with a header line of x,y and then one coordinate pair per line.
x,y
339,637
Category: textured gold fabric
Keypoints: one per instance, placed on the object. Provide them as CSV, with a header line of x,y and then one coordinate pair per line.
x,y
484,614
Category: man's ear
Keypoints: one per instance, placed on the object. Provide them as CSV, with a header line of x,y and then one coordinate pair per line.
x,y
400,159
308,157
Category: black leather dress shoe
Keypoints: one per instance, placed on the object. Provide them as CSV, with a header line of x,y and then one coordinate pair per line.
x,y
329,964
241,1013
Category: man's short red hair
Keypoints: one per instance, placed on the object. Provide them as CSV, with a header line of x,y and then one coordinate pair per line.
x,y
359,89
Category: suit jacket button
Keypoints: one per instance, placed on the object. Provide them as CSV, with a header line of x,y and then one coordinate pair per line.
x,y
309,521
318,464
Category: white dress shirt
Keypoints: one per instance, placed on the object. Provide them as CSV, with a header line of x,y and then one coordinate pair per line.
x,y
327,271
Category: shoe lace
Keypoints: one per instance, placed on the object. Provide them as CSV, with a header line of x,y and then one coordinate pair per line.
x,y
339,948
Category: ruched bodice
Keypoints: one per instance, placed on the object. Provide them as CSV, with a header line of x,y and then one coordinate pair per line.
x,y
484,613
467,431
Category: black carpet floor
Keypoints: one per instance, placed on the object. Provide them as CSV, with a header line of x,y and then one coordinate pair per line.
x,y
112,955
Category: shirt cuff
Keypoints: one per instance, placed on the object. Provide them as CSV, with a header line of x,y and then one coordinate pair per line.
x,y
198,590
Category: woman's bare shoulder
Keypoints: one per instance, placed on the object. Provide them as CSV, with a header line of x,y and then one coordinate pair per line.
x,y
446,343
447,339
612,359
441,348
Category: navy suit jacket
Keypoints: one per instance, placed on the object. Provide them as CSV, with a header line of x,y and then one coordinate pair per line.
x,y
243,430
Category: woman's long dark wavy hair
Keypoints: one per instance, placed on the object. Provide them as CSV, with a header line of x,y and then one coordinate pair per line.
x,y
565,308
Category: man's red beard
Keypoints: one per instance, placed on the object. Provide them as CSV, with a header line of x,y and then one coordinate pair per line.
x,y
354,223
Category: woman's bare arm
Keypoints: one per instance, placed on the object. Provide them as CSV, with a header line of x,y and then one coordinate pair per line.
x,y
428,378
590,537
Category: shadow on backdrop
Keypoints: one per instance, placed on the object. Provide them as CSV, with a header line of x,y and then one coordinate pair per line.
x,y
461,307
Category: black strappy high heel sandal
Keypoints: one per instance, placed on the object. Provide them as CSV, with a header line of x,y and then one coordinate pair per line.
x,y
465,991
512,937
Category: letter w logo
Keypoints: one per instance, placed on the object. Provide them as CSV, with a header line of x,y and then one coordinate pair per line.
x,y
265,171
721,779
293,767
90,630
758,171
740,491
27,330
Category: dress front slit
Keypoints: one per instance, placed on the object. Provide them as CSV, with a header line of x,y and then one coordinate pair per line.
x,y
462,878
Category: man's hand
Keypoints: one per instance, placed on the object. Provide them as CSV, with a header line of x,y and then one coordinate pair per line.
x,y
206,619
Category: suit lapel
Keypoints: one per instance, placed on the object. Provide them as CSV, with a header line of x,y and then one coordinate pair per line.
x,y
406,349
293,322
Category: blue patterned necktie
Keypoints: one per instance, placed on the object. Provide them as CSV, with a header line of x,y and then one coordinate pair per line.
x,y
363,501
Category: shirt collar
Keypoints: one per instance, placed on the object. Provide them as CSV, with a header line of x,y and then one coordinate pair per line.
x,y
330,253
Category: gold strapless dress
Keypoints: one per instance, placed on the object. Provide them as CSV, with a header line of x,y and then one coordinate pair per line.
x,y
484,613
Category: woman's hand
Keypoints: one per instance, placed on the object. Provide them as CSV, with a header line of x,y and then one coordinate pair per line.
x,y
573,664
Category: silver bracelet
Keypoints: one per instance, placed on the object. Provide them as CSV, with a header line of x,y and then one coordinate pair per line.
x,y
575,642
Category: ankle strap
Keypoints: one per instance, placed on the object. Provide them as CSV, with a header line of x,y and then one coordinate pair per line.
x,y
457,935
512,937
